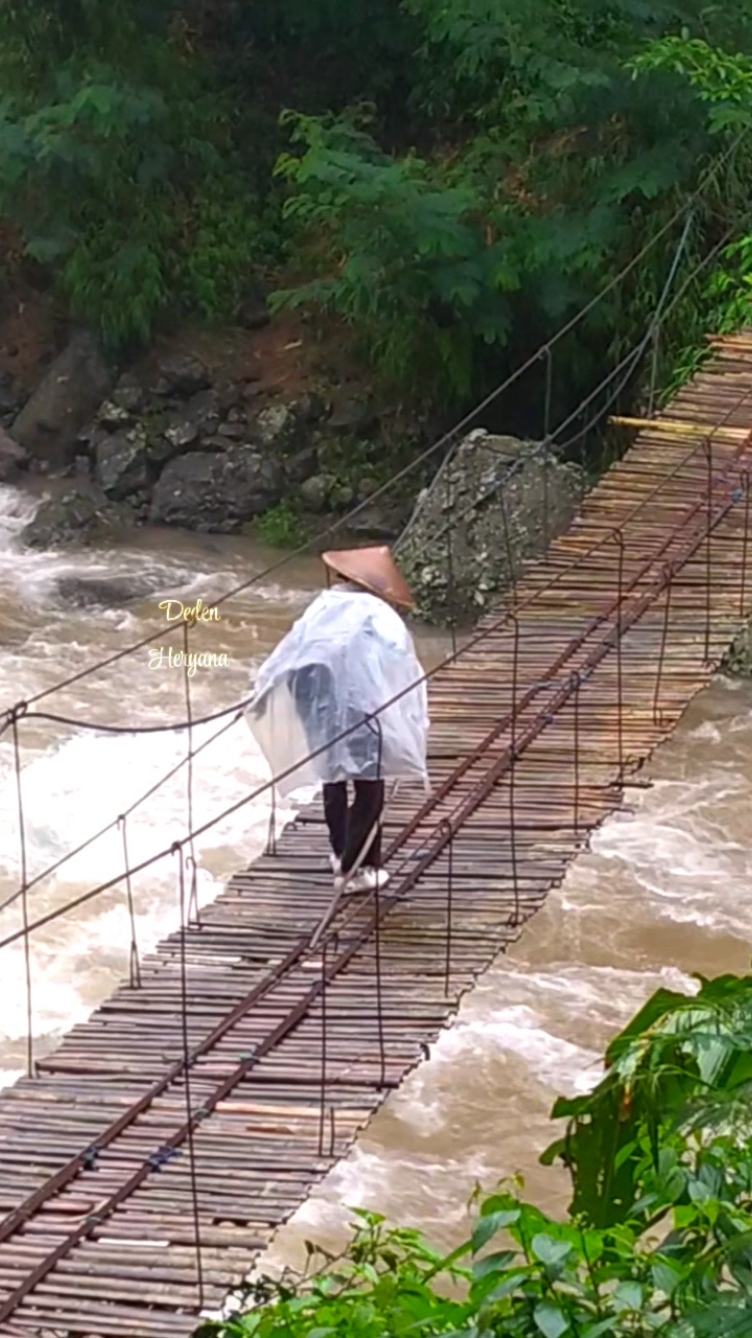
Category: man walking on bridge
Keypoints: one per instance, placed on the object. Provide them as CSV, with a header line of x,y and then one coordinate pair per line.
x,y
343,698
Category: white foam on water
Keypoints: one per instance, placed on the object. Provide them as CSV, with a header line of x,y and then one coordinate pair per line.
x,y
75,790
17,508
75,781
684,850
479,1108
707,730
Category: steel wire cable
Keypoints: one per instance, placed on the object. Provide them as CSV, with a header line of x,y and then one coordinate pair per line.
x,y
238,711
430,451
537,450
479,636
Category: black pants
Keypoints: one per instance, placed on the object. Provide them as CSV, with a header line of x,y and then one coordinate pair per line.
x,y
349,828
314,691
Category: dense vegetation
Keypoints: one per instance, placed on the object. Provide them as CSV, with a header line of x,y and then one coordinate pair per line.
x,y
451,179
659,1237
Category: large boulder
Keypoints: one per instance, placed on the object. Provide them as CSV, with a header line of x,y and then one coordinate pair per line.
x,y
216,492
88,592
13,458
122,467
71,392
495,505
73,520
199,417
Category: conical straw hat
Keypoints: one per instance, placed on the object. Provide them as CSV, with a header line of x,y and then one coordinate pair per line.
x,y
374,569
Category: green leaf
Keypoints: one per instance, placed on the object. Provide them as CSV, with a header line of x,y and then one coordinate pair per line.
x,y
488,1226
628,1296
550,1251
551,1321
492,1264
666,1274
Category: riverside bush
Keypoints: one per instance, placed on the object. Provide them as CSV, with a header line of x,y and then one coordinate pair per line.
x,y
454,178
659,1236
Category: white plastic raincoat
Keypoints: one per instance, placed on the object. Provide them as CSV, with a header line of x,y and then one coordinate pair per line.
x,y
343,660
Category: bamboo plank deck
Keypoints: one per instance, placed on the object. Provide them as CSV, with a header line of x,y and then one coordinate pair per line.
x,y
536,726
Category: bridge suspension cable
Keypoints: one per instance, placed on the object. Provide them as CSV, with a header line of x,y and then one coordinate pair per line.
x,y
510,613
629,361
236,711
529,683
544,350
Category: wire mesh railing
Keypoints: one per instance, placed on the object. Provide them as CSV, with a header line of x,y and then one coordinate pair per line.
x,y
642,561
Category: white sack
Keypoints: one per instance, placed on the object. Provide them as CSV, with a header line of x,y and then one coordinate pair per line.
x,y
347,656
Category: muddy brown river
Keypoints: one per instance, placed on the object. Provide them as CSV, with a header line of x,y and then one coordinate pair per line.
x,y
665,890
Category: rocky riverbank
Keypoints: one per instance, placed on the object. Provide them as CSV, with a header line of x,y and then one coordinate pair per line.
x,y
265,431
178,442
177,446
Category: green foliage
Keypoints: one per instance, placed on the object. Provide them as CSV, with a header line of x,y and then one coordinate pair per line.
x,y
280,527
676,1263
674,1058
406,263
114,165
383,1286
722,80
561,151
721,299
457,178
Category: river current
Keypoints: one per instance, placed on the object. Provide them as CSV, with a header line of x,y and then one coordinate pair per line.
x,y
663,892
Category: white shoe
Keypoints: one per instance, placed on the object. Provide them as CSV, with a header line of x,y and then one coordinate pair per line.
x,y
365,880
336,864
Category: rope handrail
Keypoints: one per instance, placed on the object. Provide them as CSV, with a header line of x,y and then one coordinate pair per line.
x,y
545,348
535,451
237,711
174,727
479,636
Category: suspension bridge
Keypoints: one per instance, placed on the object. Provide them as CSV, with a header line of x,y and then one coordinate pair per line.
x,y
147,1161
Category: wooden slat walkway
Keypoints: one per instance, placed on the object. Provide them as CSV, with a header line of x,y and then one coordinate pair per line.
x,y
610,638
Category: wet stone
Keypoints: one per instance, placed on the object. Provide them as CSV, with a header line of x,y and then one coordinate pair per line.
x,y
182,432
233,431
113,415
497,505
122,467
314,493
13,458
129,394
216,492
